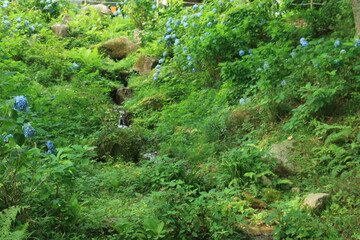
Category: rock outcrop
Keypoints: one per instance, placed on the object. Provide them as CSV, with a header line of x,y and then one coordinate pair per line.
x,y
144,64
122,94
60,30
100,8
316,201
118,48
282,152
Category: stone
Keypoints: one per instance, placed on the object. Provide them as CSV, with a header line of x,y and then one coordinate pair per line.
x,y
153,102
117,142
282,152
316,201
100,8
118,48
137,38
271,195
122,94
61,30
144,64
266,181
66,18
254,202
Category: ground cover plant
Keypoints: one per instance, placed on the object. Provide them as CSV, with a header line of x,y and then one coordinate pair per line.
x,y
219,120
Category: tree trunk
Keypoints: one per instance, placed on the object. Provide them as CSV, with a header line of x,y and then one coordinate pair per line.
x,y
356,10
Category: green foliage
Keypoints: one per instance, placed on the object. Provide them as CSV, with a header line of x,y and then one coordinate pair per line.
x,y
239,161
226,71
119,142
7,217
297,224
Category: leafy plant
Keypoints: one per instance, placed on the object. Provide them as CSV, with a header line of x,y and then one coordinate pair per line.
x,y
7,217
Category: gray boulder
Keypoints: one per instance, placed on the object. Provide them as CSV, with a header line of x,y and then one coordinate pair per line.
x,y
100,8
118,48
60,30
316,201
122,94
282,152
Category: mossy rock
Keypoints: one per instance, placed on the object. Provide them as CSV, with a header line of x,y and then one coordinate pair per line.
x,y
154,102
254,202
240,119
144,64
117,142
271,195
118,48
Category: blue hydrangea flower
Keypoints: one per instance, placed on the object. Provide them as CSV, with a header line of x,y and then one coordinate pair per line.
x,y
177,42
158,67
6,22
26,22
18,19
303,42
21,103
266,65
241,53
74,66
169,22
177,22
206,33
343,51
161,61
195,7
357,42
260,5
193,70
164,54
209,24
337,44
201,7
283,83
293,54
153,7
173,36
29,131
185,24
243,101
337,62
50,145
6,4
189,58
169,30
214,10
250,52
32,28
6,138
